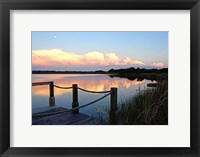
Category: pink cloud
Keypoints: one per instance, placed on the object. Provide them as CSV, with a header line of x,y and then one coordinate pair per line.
x,y
158,65
55,57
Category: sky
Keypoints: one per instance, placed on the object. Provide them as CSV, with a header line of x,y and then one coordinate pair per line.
x,y
90,51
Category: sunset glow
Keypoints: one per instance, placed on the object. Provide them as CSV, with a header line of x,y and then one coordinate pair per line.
x,y
55,57
90,51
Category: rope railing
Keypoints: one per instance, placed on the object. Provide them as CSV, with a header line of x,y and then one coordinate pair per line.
x,y
75,102
85,90
62,87
89,91
72,109
91,102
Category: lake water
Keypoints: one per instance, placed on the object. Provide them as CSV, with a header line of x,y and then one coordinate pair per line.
x,y
93,82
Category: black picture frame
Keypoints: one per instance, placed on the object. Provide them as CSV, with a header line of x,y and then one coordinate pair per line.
x,y
7,5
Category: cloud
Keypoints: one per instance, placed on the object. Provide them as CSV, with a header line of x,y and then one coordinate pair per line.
x,y
158,65
128,61
59,58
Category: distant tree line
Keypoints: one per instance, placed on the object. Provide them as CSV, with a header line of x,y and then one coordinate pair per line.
x,y
111,71
138,70
66,72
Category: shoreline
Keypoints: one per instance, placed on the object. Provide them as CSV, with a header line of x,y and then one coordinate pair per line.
x,y
130,76
129,73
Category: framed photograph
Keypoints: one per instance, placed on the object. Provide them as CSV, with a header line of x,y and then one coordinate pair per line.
x,y
113,81
96,78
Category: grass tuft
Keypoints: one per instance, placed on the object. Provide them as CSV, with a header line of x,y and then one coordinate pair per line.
x,y
149,107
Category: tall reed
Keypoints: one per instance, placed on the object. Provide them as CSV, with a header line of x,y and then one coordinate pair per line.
x,y
149,107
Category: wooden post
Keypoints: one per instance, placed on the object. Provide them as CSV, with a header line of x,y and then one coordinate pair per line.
x,y
51,94
113,105
75,98
113,100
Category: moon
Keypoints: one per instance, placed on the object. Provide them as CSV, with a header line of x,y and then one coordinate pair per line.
x,y
55,36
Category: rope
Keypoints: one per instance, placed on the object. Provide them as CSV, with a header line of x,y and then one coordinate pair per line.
x,y
93,91
91,102
82,89
62,87
75,108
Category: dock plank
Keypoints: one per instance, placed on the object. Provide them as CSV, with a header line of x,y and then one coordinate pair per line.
x,y
60,116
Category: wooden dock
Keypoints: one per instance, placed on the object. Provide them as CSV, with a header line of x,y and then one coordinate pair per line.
x,y
54,115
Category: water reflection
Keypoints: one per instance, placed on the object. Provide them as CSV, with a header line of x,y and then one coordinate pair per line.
x,y
93,82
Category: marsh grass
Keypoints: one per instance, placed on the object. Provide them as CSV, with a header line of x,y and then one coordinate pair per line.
x,y
149,107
